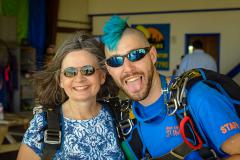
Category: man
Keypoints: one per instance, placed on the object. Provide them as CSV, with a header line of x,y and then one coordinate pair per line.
x,y
130,61
198,59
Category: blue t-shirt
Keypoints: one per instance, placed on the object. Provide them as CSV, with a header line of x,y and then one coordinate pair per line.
x,y
160,132
215,113
81,139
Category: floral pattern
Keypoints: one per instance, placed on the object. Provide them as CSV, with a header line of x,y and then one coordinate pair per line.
x,y
81,139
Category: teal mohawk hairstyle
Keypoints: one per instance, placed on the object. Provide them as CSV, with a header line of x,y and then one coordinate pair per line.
x,y
112,32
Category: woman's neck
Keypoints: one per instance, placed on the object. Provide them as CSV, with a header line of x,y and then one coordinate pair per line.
x,y
80,110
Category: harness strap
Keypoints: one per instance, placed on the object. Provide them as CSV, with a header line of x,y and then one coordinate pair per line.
x,y
177,153
52,134
164,88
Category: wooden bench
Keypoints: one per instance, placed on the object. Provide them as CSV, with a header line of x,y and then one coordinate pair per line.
x,y
11,120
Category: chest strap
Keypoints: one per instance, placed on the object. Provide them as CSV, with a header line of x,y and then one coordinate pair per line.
x,y
177,153
181,151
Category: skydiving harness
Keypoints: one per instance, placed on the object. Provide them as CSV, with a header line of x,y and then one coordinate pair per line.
x,y
175,100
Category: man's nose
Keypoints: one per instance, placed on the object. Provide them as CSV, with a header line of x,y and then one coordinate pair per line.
x,y
128,66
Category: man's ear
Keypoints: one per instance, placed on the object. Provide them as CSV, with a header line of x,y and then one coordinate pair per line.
x,y
153,54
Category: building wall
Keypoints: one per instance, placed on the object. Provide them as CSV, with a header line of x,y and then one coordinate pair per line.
x,y
223,22
72,14
128,6
200,19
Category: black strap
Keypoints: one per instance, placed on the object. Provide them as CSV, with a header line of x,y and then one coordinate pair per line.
x,y
136,144
207,153
52,134
177,153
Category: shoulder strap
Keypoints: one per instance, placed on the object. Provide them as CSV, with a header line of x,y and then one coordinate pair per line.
x,y
231,87
52,134
164,88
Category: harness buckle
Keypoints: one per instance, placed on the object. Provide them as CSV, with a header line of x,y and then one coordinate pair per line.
x,y
214,155
176,155
52,136
126,126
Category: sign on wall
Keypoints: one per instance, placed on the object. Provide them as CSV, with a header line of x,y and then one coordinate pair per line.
x,y
158,35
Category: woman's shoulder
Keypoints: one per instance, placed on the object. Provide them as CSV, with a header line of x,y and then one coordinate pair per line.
x,y
106,111
38,121
33,136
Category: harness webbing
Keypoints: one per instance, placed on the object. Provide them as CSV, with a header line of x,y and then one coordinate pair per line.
x,y
52,134
177,153
135,147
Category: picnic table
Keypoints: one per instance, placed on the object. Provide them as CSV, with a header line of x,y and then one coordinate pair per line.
x,y
8,142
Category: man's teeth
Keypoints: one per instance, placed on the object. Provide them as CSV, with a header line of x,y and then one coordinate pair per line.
x,y
132,79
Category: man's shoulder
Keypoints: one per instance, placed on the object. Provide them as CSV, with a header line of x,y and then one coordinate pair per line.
x,y
201,91
202,86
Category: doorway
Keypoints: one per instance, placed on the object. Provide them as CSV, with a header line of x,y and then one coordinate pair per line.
x,y
211,44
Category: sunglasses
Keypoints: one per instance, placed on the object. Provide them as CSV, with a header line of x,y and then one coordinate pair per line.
x,y
84,70
133,56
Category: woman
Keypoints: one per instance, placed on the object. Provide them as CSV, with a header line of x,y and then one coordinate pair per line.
x,y
72,80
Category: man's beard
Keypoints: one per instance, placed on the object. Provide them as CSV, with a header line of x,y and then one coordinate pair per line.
x,y
144,92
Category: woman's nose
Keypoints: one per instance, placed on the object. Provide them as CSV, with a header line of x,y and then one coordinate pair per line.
x,y
79,76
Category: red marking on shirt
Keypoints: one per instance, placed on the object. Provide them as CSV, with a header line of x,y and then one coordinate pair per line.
x,y
172,131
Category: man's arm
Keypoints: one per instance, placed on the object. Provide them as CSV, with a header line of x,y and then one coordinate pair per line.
x,y
232,147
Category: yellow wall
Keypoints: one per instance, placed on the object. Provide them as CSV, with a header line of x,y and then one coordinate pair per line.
x,y
225,22
75,12
126,6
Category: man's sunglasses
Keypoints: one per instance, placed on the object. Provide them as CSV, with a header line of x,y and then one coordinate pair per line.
x,y
84,70
133,56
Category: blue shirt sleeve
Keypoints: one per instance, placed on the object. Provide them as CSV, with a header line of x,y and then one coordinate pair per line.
x,y
183,66
215,113
33,137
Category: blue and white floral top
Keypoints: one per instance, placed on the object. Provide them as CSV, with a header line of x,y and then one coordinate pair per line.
x,y
81,139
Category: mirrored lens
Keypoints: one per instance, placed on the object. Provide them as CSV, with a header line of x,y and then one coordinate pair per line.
x,y
85,70
115,61
137,54
134,55
70,72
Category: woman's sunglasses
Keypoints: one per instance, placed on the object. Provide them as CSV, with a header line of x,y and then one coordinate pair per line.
x,y
84,70
133,56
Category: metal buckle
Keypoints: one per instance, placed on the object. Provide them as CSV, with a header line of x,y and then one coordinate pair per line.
x,y
176,155
214,155
52,136
124,125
